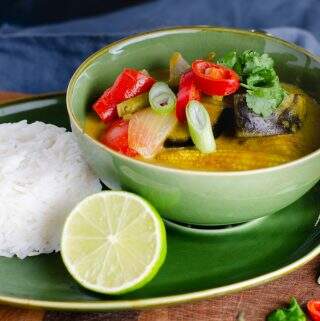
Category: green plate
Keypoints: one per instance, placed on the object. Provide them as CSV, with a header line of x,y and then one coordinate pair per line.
x,y
200,263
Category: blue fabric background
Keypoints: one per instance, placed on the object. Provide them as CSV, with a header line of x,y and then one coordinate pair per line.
x,y
42,42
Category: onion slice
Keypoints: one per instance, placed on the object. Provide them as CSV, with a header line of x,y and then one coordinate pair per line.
x,y
148,130
178,66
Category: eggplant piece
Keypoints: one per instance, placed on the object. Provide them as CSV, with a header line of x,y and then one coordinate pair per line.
x,y
177,143
292,112
214,106
179,136
225,123
288,117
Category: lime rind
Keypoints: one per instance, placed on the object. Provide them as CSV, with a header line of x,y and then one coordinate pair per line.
x,y
150,270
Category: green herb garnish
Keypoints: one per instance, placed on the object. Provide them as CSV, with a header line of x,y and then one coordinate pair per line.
x,y
264,100
264,92
292,313
228,60
253,62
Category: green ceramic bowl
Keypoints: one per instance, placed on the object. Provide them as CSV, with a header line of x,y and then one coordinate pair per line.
x,y
204,198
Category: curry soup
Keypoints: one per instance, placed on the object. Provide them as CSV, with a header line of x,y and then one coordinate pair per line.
x,y
235,153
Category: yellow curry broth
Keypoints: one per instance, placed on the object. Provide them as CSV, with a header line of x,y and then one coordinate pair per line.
x,y
239,153
252,153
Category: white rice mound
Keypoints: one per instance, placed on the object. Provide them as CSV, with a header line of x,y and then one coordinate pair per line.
x,y
42,177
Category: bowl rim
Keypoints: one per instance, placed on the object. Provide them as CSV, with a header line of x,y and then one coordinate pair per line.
x,y
137,37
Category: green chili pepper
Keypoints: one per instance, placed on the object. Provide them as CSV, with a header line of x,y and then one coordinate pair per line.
x,y
200,127
132,105
292,313
162,99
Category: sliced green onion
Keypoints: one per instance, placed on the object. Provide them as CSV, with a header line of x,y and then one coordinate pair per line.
x,y
161,98
200,127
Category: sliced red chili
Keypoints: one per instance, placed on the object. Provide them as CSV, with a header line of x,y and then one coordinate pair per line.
x,y
116,138
187,91
129,83
213,79
314,309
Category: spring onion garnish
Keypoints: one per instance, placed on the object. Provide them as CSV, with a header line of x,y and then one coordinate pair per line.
x,y
200,127
162,99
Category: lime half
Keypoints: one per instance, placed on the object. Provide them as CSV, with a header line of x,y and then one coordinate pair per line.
x,y
113,242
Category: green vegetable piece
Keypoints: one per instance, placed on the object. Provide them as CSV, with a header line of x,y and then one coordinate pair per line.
x,y
263,77
264,100
132,105
292,313
211,56
260,105
253,62
200,127
238,68
264,92
228,60
162,99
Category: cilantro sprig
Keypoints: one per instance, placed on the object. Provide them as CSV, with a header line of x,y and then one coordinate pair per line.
x,y
264,92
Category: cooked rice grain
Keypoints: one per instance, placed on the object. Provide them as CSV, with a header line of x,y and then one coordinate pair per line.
x,y
42,177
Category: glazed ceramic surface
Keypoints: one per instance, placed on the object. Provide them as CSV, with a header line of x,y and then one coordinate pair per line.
x,y
209,198
196,266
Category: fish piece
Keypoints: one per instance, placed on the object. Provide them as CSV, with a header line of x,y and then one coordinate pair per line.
x,y
288,118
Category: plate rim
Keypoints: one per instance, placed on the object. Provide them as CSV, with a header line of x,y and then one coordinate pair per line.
x,y
31,98
113,305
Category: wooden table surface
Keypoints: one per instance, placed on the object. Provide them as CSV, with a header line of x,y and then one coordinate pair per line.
x,y
255,303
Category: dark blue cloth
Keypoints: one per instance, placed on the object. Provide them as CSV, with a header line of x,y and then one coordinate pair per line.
x,y
41,58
